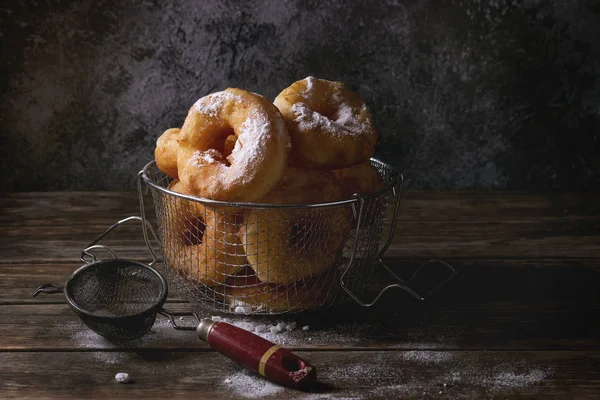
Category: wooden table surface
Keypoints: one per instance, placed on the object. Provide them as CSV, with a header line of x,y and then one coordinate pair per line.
x,y
520,320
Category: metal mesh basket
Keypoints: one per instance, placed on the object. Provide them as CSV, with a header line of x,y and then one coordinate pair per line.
x,y
267,259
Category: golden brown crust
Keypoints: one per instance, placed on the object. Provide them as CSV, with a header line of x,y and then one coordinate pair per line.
x,y
258,159
305,186
287,244
330,126
201,241
363,179
165,152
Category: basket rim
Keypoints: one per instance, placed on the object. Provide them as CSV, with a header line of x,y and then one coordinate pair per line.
x,y
397,178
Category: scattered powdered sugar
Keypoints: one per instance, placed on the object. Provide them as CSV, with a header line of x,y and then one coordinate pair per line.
x,y
448,372
515,380
86,338
212,103
162,332
377,376
419,345
427,357
391,374
109,357
243,384
455,377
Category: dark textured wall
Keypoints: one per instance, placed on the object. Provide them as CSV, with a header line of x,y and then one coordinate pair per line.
x,y
484,94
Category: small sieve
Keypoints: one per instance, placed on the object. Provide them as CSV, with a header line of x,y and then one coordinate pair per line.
x,y
116,298
119,299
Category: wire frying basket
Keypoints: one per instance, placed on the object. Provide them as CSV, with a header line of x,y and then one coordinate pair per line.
x,y
254,258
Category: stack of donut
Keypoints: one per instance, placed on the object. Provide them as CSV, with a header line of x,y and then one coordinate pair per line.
x,y
312,144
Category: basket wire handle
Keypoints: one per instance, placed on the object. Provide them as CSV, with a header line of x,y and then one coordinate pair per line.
x,y
400,283
88,257
145,223
396,191
171,316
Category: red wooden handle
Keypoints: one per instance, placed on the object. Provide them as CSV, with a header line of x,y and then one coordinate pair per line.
x,y
258,354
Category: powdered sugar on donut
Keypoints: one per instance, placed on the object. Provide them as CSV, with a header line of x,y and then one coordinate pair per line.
x,y
202,158
345,122
310,85
251,142
212,103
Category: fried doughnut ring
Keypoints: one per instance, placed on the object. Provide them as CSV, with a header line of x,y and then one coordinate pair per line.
x,y
305,186
258,159
330,126
165,152
363,179
246,290
201,241
285,245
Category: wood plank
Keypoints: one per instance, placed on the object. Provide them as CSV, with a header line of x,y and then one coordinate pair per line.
x,y
68,208
18,281
501,326
65,243
104,208
389,374
418,240
486,306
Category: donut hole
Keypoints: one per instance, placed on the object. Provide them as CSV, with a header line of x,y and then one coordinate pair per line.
x,y
224,142
299,237
195,232
329,112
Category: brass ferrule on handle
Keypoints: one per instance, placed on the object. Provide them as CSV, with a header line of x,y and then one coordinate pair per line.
x,y
204,328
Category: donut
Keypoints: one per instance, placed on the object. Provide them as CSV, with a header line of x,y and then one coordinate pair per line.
x,y
305,186
330,126
284,245
165,152
200,242
363,179
259,156
245,292
177,186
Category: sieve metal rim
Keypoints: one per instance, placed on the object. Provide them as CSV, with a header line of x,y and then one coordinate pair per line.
x,y
396,176
150,310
